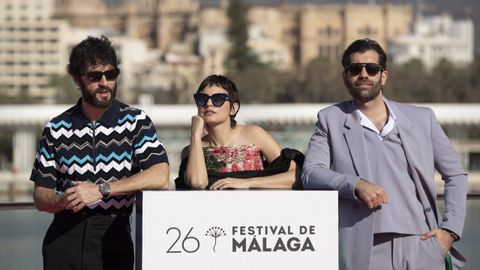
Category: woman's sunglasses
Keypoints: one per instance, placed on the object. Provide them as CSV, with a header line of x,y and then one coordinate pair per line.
x,y
371,68
96,76
217,99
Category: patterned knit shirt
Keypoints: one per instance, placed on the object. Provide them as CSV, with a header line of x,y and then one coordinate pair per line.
x,y
72,148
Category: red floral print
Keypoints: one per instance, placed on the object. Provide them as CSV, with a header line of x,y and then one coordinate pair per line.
x,y
233,158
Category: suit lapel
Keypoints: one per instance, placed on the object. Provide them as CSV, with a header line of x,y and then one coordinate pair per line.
x,y
354,137
408,138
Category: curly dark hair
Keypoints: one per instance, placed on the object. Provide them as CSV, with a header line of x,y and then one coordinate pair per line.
x,y
229,86
363,45
91,51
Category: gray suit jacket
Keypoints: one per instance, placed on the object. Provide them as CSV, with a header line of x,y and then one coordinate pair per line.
x,y
336,159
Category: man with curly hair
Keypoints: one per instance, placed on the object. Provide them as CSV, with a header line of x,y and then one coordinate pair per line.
x,y
90,162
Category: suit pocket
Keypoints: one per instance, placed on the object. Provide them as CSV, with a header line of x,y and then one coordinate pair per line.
x,y
429,255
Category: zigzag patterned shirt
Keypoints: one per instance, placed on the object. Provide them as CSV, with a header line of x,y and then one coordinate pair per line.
x,y
120,144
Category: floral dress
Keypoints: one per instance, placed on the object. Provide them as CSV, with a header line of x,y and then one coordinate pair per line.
x,y
235,158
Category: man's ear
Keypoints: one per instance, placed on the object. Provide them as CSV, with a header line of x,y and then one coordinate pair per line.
x,y
384,77
76,80
344,77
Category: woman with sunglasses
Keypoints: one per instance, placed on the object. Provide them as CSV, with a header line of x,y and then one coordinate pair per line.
x,y
224,155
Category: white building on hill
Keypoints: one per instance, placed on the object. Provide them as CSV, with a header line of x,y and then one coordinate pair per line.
x,y
435,38
32,48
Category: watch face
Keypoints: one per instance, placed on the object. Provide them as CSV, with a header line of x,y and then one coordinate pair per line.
x,y
104,189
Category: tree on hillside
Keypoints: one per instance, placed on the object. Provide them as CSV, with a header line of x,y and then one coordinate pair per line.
x,y
445,81
474,80
409,82
67,91
323,82
240,56
6,152
259,84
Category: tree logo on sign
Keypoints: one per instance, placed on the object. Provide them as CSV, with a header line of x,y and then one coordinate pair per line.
x,y
215,232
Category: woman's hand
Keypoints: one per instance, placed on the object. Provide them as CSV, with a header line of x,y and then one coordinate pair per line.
x,y
228,182
198,126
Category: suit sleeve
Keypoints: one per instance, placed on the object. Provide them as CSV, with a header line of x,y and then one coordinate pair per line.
x,y
317,173
447,163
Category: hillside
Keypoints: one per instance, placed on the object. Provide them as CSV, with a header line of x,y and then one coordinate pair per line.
x,y
459,9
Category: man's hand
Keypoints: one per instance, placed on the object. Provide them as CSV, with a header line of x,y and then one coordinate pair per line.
x,y
47,200
81,194
445,239
371,194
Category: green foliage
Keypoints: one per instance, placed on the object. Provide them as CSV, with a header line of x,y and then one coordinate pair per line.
x,y
321,82
22,98
67,91
179,95
3,96
258,84
240,57
445,83
6,152
417,88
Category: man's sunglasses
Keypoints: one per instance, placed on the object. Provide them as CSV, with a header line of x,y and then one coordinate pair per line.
x,y
371,68
96,76
217,99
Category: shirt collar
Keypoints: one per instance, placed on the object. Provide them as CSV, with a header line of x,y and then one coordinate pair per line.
x,y
109,117
387,128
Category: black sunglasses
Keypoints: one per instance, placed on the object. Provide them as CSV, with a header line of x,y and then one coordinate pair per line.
x,y
371,68
217,99
96,76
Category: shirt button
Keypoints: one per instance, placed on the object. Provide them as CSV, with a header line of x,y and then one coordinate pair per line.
x,y
428,209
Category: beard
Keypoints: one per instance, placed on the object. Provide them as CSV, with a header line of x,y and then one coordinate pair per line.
x,y
91,96
364,94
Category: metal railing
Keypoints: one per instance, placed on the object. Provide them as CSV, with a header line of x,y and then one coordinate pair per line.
x,y
30,205
16,205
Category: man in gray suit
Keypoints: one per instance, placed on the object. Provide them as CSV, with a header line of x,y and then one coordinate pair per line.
x,y
381,156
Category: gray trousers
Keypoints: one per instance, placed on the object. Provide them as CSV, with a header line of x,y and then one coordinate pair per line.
x,y
406,252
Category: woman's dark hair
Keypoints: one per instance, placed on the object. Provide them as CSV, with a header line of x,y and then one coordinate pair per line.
x,y
229,86
91,51
363,45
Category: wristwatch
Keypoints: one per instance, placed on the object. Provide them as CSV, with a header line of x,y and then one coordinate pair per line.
x,y
104,189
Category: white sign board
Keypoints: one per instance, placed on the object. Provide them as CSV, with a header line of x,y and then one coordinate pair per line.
x,y
237,230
